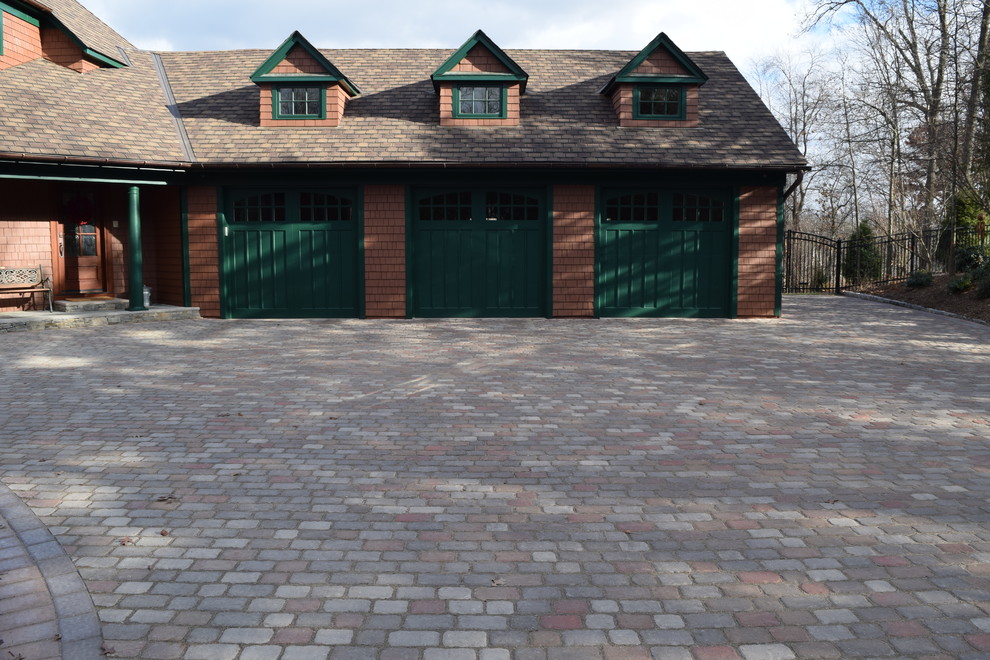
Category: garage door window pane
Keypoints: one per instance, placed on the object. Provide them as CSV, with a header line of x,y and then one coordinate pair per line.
x,y
691,207
637,207
511,207
269,207
453,206
320,207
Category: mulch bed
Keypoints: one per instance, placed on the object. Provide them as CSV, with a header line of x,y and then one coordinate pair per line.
x,y
936,296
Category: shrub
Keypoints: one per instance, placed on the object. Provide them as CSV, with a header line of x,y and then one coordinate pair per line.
x,y
961,284
919,279
972,258
983,288
861,261
819,281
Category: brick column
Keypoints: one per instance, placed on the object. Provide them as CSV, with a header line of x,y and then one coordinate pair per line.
x,y
757,293
204,253
385,251
573,251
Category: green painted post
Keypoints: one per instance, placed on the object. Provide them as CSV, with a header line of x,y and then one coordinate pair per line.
x,y
136,260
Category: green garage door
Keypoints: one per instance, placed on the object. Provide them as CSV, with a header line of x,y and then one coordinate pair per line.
x,y
291,254
479,253
664,253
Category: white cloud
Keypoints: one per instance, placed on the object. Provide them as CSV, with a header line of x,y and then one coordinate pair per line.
x,y
745,30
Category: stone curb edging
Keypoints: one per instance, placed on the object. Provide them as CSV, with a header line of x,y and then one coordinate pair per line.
x,y
919,308
76,620
93,319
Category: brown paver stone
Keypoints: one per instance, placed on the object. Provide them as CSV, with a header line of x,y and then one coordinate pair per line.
x,y
809,487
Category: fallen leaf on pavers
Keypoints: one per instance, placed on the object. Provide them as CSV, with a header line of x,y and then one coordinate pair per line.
x,y
16,657
497,582
167,498
58,637
127,540
108,650
164,532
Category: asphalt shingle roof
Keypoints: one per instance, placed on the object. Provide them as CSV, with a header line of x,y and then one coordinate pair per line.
x,y
565,122
122,114
114,114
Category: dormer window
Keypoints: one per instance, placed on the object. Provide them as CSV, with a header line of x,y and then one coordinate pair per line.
x,y
659,88
479,85
300,88
474,101
658,102
299,103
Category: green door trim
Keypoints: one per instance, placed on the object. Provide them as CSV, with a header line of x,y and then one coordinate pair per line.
x,y
452,295
548,256
734,256
294,306
410,270
664,222
222,249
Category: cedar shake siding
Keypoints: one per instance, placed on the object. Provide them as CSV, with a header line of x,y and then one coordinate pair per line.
x,y
21,41
385,251
336,99
25,233
204,259
447,109
758,233
573,251
622,103
60,49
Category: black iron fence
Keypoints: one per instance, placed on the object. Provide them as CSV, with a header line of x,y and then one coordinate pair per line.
x,y
819,264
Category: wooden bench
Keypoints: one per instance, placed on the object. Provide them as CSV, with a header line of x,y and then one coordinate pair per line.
x,y
26,281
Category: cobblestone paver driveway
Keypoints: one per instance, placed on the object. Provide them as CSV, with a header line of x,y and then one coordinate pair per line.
x,y
812,487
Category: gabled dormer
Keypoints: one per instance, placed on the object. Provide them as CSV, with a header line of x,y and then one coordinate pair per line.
x,y
301,88
479,85
658,88
20,36
63,33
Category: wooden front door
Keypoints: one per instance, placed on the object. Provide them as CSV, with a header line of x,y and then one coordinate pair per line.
x,y
83,258
80,247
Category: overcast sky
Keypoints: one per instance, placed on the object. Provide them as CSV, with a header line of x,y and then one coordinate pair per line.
x,y
745,29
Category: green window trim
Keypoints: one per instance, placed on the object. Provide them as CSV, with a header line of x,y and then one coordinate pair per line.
x,y
481,96
650,206
14,11
301,103
306,206
665,102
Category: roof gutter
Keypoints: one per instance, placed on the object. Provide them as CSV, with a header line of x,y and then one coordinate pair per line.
x,y
200,165
36,5
794,186
109,163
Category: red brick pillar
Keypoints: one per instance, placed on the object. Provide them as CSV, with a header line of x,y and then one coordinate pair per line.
x,y
757,293
385,251
204,254
573,251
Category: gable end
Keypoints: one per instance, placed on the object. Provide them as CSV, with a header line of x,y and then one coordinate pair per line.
x,y
658,88
300,88
479,85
